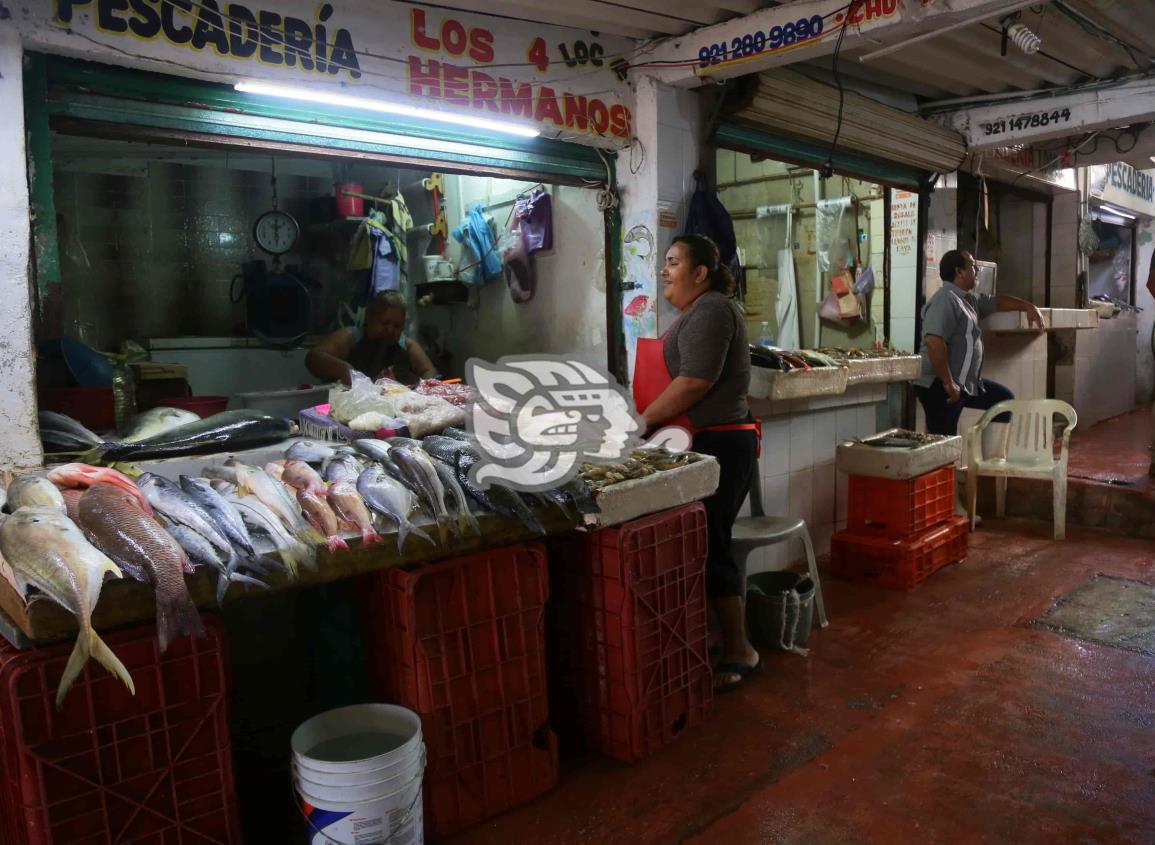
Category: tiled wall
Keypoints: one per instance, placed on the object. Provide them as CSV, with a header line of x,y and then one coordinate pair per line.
x,y
797,468
153,255
759,240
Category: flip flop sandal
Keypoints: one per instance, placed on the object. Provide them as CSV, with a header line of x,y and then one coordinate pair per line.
x,y
740,669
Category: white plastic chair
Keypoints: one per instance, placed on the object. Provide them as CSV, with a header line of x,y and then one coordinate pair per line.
x,y
757,530
1030,454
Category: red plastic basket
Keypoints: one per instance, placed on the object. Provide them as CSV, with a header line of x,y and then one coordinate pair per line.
x,y
898,564
895,508
646,670
111,767
461,643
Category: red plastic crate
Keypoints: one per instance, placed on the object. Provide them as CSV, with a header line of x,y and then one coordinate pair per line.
x,y
461,643
896,508
898,564
111,767
647,674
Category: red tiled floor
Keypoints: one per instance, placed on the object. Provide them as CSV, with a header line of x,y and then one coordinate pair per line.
x,y
935,715
1115,450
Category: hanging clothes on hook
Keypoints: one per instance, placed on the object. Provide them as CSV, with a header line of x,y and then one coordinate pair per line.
x,y
708,216
534,212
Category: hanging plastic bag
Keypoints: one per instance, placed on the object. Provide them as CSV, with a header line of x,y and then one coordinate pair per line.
x,y
534,211
518,266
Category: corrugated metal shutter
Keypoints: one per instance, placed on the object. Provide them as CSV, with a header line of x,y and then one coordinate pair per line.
x,y
788,103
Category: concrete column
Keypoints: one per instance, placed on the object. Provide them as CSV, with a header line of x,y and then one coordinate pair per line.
x,y
20,444
1064,249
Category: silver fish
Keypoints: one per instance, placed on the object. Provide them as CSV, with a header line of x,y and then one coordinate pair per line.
x,y
226,519
34,491
460,502
377,450
46,550
416,467
201,552
390,498
167,498
276,497
156,421
309,451
293,553
52,421
342,467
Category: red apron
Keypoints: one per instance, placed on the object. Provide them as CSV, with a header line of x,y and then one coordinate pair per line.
x,y
652,377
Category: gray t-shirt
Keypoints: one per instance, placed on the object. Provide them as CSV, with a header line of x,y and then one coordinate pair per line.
x,y
708,341
953,314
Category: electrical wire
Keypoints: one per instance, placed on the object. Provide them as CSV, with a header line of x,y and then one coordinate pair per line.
x,y
1093,28
1043,53
828,168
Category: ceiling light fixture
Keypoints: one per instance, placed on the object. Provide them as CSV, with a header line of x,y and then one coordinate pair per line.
x,y
942,29
330,98
1110,209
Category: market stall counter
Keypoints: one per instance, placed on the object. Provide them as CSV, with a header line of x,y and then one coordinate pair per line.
x,y
639,486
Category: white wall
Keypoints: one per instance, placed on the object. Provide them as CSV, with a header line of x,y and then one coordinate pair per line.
x,y
568,312
20,446
941,231
1145,324
679,119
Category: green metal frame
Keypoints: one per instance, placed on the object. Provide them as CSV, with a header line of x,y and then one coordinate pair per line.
x,y
809,154
116,96
86,97
45,240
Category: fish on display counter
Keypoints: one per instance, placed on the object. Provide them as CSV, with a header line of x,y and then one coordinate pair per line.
x,y
321,517
116,525
48,551
294,554
223,432
33,490
309,451
301,476
350,508
276,497
392,499
156,421
61,434
83,475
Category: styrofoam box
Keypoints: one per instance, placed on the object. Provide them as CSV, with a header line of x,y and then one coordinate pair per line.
x,y
661,491
857,458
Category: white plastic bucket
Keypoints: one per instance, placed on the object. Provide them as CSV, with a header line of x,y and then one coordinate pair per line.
x,y
357,773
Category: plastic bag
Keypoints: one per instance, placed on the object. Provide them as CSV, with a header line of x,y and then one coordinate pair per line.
x,y
363,396
519,275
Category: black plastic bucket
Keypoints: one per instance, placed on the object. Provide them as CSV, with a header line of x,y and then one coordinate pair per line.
x,y
779,609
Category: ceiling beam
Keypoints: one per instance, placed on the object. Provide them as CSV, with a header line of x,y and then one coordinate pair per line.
x,y
1043,118
872,20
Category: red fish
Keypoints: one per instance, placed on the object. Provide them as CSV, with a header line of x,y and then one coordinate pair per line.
x,y
83,475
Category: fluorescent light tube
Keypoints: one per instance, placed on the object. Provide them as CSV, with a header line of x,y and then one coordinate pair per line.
x,y
1111,209
331,98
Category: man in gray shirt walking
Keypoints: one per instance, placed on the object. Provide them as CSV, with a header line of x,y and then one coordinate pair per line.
x,y
952,345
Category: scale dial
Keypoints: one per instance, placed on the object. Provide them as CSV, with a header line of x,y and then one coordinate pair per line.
x,y
276,232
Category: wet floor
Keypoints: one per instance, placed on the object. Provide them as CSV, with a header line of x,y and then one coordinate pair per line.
x,y
1115,451
937,715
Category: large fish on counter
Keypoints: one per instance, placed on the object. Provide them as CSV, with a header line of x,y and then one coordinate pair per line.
x,y
227,431
392,499
116,525
156,421
46,549
61,434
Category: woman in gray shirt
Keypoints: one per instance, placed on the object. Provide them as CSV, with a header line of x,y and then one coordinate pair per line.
x,y
697,377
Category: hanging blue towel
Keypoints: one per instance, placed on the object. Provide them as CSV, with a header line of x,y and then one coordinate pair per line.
x,y
474,233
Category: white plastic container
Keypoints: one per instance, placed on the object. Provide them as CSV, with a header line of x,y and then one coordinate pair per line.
x,y
283,403
357,772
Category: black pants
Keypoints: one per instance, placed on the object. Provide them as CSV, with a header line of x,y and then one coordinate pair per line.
x,y
737,455
942,418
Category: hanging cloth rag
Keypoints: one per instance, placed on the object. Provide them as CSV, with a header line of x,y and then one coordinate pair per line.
x,y
534,211
474,233
402,223
786,306
386,273
708,216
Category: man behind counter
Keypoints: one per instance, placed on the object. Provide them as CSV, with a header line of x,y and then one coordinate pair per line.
x,y
378,348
